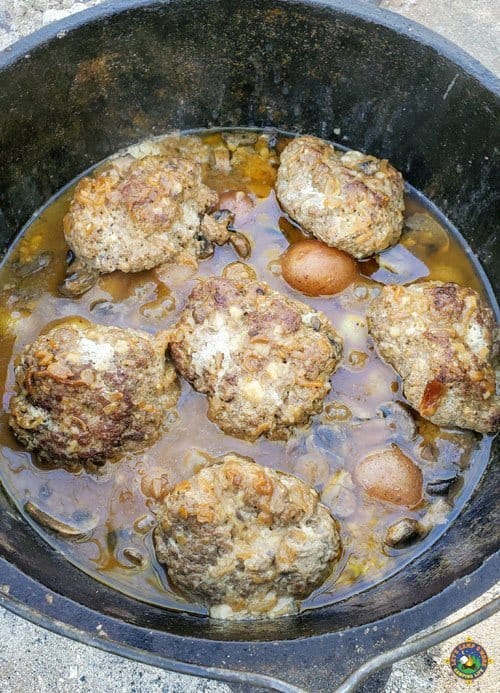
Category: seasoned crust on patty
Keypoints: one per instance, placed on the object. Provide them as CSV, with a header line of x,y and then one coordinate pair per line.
x,y
440,339
86,393
135,214
349,200
246,540
263,360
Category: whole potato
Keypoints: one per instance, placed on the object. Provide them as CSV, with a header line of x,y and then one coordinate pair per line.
x,y
390,476
315,269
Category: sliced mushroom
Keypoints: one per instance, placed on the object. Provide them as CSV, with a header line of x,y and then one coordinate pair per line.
x,y
79,279
338,494
241,244
155,484
398,266
313,468
239,271
398,419
133,556
102,307
144,524
449,448
328,439
220,159
206,248
52,523
425,232
217,229
403,533
238,138
25,269
442,487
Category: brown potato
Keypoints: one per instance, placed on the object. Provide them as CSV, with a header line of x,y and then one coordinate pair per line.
x,y
315,269
390,476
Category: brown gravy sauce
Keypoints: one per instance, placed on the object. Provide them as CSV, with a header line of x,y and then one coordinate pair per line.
x,y
116,504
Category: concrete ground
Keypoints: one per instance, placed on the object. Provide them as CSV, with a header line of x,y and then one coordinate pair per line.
x,y
33,660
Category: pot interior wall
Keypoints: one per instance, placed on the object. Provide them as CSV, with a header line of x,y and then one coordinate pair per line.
x,y
307,67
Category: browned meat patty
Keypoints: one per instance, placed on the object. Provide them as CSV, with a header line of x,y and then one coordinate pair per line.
x,y
347,199
440,339
246,540
264,360
135,214
87,393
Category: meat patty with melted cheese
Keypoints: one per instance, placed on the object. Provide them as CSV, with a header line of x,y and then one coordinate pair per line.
x,y
87,393
440,338
246,540
348,200
263,360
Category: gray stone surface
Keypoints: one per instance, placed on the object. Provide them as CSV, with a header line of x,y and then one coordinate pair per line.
x,y
473,24
33,660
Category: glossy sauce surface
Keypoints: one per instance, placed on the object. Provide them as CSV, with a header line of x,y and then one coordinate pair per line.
x,y
115,507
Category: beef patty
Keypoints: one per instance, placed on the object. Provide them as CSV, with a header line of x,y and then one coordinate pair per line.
x,y
246,540
440,338
86,393
137,213
263,360
349,200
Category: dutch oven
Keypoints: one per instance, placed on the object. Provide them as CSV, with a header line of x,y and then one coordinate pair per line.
x,y
77,91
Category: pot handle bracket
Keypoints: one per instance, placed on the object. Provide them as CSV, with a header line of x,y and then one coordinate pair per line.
x,y
433,637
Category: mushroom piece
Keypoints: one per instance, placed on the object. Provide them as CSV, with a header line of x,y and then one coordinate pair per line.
x,y
442,487
25,269
398,419
403,533
134,557
217,229
315,269
79,279
63,528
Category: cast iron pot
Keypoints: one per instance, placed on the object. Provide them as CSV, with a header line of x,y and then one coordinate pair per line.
x,y
77,91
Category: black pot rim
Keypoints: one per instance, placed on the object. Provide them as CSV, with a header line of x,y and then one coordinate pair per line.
x,y
35,603
406,27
